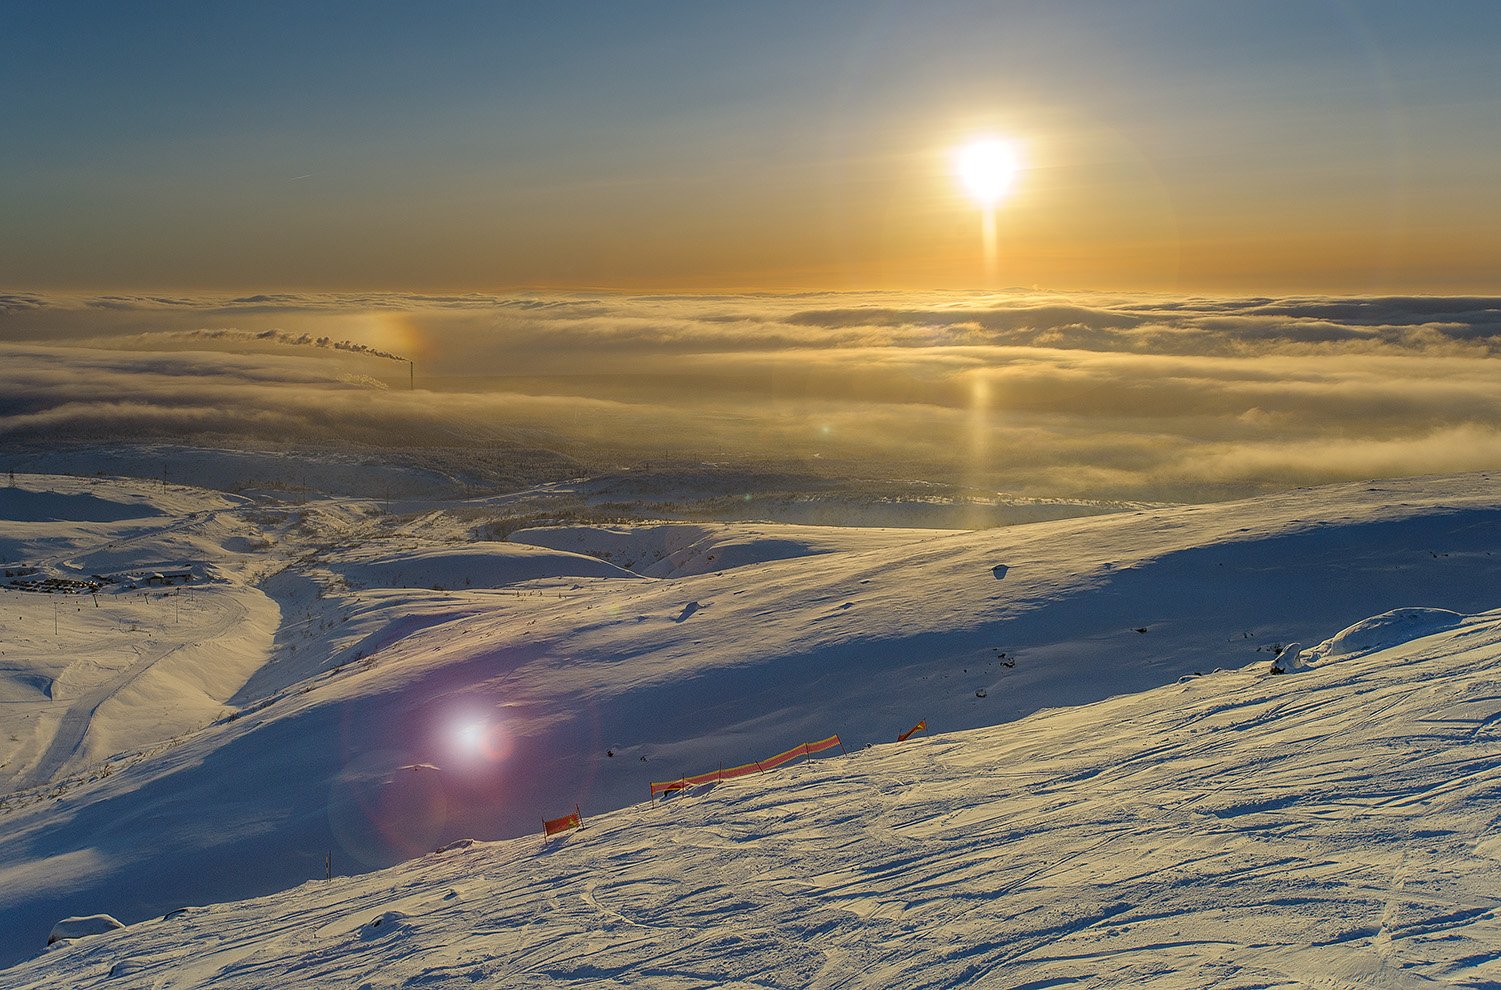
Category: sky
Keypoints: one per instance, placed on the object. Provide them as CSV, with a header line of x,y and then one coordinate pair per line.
x,y
1247,245
1307,146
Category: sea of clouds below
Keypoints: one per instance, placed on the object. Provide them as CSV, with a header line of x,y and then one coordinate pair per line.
x,y
1033,393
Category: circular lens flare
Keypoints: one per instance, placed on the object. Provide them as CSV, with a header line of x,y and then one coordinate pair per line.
x,y
470,736
477,740
987,167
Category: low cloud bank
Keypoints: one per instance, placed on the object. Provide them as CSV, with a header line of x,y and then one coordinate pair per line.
x,y
1084,395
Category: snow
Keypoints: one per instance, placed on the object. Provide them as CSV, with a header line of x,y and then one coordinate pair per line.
x,y
1239,830
81,927
349,683
685,549
85,677
1380,631
476,565
1292,659
20,505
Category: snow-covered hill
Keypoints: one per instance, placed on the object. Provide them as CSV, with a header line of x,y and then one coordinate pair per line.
x,y
686,549
1330,828
366,716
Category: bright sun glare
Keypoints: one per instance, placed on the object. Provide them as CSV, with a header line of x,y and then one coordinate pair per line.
x,y
471,736
987,167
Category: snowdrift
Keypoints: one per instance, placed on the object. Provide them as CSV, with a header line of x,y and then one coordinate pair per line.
x,y
83,927
1387,629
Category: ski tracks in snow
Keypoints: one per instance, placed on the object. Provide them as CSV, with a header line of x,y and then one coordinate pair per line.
x,y
67,740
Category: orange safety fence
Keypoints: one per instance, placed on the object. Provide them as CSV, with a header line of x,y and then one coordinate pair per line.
x,y
760,766
919,727
552,826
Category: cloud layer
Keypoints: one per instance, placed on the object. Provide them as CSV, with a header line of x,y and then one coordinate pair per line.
x,y
1040,394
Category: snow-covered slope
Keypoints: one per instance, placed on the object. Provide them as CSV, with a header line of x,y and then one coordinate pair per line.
x,y
476,565
685,549
388,720
112,660
1334,828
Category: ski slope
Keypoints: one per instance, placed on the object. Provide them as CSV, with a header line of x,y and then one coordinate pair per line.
x,y
1331,828
400,681
86,676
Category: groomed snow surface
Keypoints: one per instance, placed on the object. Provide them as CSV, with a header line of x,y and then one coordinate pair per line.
x,y
1334,829
343,681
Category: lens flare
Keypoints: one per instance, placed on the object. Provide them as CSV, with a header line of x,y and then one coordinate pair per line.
x,y
475,740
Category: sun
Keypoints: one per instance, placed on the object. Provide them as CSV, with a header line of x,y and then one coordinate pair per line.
x,y
987,167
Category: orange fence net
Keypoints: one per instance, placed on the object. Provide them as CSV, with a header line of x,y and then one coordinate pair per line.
x,y
919,727
760,766
552,826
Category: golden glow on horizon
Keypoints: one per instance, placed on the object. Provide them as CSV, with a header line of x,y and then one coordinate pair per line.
x,y
1076,204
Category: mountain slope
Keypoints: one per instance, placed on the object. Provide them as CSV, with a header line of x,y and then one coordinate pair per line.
x,y
486,711
1331,828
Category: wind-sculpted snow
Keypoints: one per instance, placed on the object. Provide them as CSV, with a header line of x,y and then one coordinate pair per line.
x,y
1236,830
388,721
1379,631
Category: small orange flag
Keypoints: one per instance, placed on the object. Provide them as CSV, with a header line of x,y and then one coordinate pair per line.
x,y
552,826
919,727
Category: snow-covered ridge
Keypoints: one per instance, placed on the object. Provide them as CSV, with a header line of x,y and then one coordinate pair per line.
x,y
1236,830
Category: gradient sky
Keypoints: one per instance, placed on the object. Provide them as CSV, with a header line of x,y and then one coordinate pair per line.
x,y
1315,145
